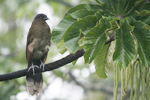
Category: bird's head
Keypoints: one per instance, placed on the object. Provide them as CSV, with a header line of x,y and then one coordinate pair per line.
x,y
41,16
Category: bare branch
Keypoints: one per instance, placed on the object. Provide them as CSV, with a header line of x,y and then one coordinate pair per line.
x,y
48,66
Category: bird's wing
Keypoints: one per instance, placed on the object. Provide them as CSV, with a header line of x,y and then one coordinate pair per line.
x,y
45,57
29,41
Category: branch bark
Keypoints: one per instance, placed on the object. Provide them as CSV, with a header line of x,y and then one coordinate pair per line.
x,y
49,66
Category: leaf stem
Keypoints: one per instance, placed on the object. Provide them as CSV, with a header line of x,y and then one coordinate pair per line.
x,y
132,81
116,82
142,71
122,84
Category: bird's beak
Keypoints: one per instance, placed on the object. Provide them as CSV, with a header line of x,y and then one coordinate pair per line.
x,y
46,18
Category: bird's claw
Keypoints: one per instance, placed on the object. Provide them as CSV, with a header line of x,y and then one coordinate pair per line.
x,y
42,64
32,67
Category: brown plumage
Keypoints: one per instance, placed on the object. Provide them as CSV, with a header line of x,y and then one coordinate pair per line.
x,y
38,43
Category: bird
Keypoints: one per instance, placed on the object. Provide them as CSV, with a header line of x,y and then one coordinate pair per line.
x,y
37,47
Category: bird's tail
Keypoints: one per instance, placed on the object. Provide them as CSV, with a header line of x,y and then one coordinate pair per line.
x,y
34,83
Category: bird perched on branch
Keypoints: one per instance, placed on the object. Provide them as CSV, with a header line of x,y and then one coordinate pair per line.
x,y
37,47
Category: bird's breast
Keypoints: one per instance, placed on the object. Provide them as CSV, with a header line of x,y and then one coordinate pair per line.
x,y
39,47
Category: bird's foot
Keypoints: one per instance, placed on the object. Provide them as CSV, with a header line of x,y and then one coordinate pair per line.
x,y
32,67
42,64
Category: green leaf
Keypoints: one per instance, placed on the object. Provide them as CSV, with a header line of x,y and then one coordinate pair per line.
x,y
80,42
143,10
143,6
145,19
143,39
131,21
83,7
114,24
100,62
118,8
143,13
74,62
73,15
95,39
61,47
125,47
74,32
138,2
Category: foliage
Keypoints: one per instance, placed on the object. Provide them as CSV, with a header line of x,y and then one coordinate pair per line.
x,y
87,26
90,24
83,26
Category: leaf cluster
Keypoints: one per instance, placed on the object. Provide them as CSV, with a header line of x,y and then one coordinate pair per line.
x,y
88,26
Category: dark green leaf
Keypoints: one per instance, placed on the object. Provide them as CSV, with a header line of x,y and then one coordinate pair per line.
x,y
100,62
143,6
145,19
143,39
83,7
125,47
73,15
118,8
143,13
73,33
95,39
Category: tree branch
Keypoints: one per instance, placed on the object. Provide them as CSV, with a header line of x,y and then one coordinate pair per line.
x,y
49,66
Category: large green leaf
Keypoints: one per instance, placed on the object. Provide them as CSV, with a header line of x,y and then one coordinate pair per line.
x,y
143,6
83,7
118,8
125,46
74,32
71,16
143,39
95,39
100,62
